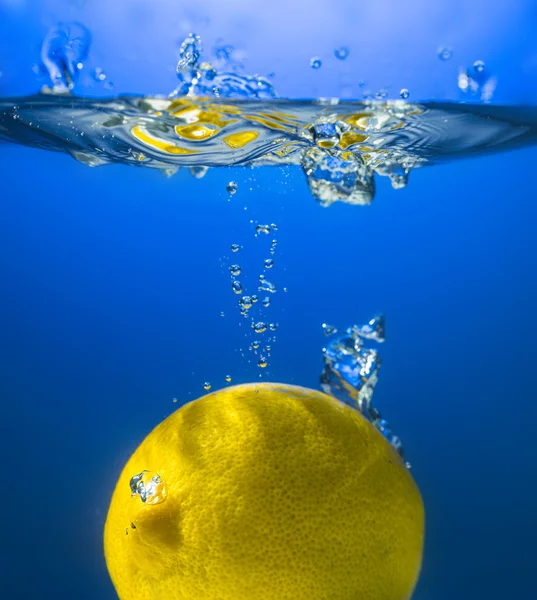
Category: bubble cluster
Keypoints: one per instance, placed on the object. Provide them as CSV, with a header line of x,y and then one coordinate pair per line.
x,y
149,487
262,229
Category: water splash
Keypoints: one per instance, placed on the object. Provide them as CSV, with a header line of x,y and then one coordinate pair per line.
x,y
198,78
351,373
64,50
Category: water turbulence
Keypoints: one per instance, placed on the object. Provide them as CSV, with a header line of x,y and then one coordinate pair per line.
x,y
215,119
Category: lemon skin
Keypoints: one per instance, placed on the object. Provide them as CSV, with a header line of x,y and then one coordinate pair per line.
x,y
272,492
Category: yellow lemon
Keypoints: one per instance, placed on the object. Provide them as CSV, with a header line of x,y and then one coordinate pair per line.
x,y
265,492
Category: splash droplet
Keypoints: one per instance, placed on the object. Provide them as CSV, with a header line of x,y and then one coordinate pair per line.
x,y
444,52
232,187
341,53
269,263
236,287
149,486
316,62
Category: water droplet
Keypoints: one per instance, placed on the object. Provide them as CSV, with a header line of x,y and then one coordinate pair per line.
x,y
255,298
99,74
273,326
444,52
262,362
262,229
269,263
236,287
259,327
316,62
149,486
255,344
328,329
207,386
266,286
228,378
479,66
235,270
266,301
246,302
235,247
63,48
341,53
404,93
231,187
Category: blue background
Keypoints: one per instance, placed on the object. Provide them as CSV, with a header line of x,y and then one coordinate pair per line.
x,y
113,281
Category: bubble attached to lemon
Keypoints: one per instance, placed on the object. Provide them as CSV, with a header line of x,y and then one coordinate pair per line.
x,y
265,492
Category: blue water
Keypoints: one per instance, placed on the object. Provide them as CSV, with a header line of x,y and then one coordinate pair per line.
x,y
113,281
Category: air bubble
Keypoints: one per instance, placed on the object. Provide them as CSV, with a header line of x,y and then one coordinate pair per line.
x,y
266,301
341,53
259,327
269,263
263,362
266,286
255,298
228,378
207,386
149,486
316,62
235,270
404,93
99,74
236,287
231,187
255,344
273,326
262,229
234,247
479,66
274,227
328,329
246,302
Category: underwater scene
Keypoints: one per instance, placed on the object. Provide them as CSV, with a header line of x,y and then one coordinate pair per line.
x,y
268,300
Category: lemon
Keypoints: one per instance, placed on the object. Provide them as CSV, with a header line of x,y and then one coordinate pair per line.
x,y
265,492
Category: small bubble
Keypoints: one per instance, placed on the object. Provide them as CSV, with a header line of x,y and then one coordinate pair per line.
x,y
236,287
255,298
266,301
316,62
259,327
404,93
268,348
262,278
99,74
207,386
329,329
246,302
479,66
175,400
381,94
231,187
262,229
235,270
255,344
269,263
234,247
274,227
341,53
273,326
262,362
149,486
222,314
228,378
444,52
